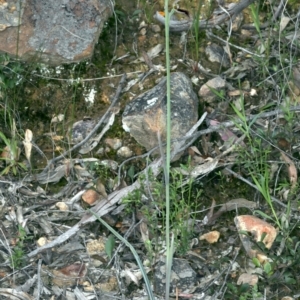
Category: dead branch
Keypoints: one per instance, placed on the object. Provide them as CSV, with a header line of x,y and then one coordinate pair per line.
x,y
217,19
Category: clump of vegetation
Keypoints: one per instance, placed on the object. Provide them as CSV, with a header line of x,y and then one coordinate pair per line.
x,y
18,252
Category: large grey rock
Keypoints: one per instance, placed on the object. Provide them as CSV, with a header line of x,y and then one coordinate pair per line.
x,y
54,32
144,116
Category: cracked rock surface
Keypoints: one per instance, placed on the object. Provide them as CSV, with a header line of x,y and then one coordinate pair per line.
x,y
145,115
53,32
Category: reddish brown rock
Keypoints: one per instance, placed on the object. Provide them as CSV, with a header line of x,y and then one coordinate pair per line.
x,y
53,32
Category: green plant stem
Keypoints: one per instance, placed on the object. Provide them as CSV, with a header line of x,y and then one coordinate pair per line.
x,y
196,29
168,153
136,256
263,187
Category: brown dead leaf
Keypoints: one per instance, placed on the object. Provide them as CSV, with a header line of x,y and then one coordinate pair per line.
x,y
27,143
261,232
144,231
101,188
251,279
58,138
5,153
194,149
292,170
284,20
90,197
234,93
208,217
258,228
82,172
211,237
69,275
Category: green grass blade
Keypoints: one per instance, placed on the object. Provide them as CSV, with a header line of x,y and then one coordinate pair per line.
x,y
136,256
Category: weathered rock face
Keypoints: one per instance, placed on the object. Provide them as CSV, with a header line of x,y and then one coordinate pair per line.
x,y
54,32
144,116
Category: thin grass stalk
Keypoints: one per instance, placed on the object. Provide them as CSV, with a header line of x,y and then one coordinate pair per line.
x,y
263,187
196,29
133,251
169,251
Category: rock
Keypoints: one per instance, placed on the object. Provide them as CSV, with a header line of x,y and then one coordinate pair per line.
x,y
145,116
206,92
113,143
62,206
81,129
110,164
183,277
53,32
217,54
155,28
124,152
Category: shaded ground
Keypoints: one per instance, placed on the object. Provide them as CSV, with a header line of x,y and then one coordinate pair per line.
x,y
264,79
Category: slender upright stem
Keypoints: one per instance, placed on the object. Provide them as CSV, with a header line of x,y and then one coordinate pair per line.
x,y
168,156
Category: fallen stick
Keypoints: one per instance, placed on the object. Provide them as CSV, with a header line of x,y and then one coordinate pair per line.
x,y
183,25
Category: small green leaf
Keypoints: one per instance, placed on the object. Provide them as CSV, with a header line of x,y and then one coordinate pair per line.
x,y
136,12
263,215
131,172
14,170
109,246
5,171
289,279
21,165
268,268
119,13
256,262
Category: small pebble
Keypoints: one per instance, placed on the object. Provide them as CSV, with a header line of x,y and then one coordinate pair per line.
x,y
42,241
100,151
111,164
113,143
155,28
124,152
62,206
143,31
